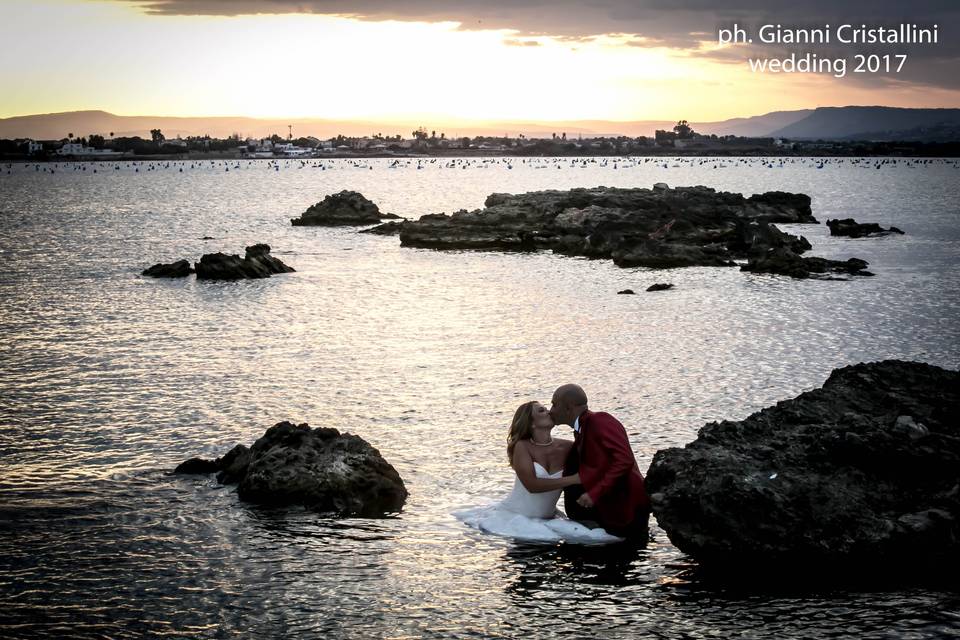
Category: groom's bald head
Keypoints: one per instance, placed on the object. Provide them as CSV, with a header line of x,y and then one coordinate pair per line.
x,y
569,401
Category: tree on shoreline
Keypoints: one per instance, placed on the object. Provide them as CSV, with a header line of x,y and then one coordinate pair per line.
x,y
683,130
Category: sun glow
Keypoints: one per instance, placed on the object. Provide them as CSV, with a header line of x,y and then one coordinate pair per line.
x,y
88,54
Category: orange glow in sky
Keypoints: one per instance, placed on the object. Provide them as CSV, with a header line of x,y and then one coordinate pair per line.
x,y
66,55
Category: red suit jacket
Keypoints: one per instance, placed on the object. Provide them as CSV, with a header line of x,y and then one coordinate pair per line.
x,y
608,470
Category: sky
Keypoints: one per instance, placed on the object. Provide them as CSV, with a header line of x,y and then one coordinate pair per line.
x,y
444,61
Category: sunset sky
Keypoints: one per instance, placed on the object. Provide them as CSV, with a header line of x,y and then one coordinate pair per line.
x,y
443,61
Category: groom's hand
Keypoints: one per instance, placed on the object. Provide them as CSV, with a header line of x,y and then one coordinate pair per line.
x,y
585,501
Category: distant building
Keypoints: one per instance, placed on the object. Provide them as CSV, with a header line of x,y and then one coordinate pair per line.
x,y
290,149
34,147
77,150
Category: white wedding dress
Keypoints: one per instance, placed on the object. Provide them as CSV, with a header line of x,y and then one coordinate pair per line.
x,y
533,517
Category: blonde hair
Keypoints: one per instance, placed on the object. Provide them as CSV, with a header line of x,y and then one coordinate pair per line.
x,y
521,428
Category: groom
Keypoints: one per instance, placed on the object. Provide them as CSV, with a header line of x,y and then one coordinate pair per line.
x,y
612,492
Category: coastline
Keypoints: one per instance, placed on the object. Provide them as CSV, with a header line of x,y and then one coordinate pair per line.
x,y
829,150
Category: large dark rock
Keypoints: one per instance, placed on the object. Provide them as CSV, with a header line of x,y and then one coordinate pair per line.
x,y
864,472
658,228
852,229
320,468
783,261
257,263
347,208
178,269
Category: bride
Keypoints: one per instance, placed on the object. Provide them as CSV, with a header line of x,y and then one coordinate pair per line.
x,y
530,511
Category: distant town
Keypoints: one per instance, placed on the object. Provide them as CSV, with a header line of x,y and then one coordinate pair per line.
x,y
681,140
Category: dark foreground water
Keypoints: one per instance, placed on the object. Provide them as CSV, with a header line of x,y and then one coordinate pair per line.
x,y
108,380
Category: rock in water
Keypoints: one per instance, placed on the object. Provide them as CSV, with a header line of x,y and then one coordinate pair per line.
x,y
257,263
658,228
785,262
260,255
853,229
178,269
385,229
318,468
197,465
863,472
347,208
660,286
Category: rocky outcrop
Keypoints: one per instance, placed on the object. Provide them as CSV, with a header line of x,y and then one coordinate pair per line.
x,y
852,229
660,227
257,263
178,269
319,468
861,472
385,229
785,262
347,208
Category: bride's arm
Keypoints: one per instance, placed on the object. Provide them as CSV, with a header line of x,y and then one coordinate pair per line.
x,y
523,465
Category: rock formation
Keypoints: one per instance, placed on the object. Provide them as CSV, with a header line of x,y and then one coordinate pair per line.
x,y
385,229
178,269
257,263
319,468
660,286
347,208
853,229
783,261
660,227
862,472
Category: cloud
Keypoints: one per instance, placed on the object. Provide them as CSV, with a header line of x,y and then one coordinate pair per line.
x,y
520,42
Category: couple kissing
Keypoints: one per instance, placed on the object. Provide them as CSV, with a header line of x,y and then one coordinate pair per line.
x,y
604,494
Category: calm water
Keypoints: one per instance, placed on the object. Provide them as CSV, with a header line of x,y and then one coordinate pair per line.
x,y
108,380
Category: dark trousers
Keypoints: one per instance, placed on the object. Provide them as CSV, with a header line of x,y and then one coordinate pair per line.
x,y
636,532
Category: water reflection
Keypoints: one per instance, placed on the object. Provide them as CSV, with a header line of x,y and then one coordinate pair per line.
x,y
565,566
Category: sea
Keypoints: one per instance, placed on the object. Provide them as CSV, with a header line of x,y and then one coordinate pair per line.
x,y
109,379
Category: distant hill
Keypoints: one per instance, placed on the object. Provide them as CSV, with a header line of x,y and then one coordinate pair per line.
x,y
868,123
874,123
755,126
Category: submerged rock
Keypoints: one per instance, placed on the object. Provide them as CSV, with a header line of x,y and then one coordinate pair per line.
x,y
659,228
851,228
347,208
319,468
178,269
785,262
863,471
257,263
660,286
626,292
